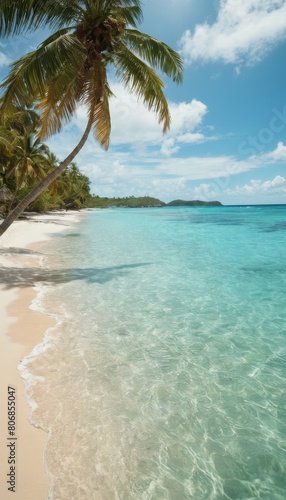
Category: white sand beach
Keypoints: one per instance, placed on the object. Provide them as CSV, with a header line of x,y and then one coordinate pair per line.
x,y
22,328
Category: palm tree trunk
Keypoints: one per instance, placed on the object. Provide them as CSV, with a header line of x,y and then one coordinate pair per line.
x,y
44,184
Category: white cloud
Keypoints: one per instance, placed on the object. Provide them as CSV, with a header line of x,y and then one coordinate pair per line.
x,y
244,31
205,192
168,178
257,186
186,116
4,60
195,168
132,122
119,172
178,178
279,153
212,167
168,147
190,138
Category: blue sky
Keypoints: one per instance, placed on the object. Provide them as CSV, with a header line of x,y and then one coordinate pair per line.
x,y
227,139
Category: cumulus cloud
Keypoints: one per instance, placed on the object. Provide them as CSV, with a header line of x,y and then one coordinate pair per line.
x,y
134,126
186,116
244,31
133,122
257,186
278,154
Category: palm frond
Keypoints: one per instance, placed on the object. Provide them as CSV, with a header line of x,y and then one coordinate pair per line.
x,y
97,99
55,13
131,14
142,80
55,36
58,105
128,3
156,53
30,75
15,15
129,11
18,16
21,120
102,127
8,138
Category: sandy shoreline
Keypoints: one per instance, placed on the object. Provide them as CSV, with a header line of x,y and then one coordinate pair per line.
x,y
21,330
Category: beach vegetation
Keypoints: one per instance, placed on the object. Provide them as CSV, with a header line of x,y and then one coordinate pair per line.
x,y
24,160
125,202
90,40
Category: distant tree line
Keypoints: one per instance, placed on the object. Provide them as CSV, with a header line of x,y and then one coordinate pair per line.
x,y
128,202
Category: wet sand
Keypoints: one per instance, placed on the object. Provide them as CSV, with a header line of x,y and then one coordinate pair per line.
x,y
22,446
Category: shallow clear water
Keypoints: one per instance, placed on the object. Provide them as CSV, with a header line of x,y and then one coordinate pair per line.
x,y
165,378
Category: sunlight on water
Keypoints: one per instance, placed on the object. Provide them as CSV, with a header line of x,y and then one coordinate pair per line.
x,y
166,378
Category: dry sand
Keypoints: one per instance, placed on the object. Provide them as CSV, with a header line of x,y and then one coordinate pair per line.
x,y
21,329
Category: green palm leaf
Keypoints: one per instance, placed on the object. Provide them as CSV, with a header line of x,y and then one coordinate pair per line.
x,y
18,16
142,80
30,75
156,53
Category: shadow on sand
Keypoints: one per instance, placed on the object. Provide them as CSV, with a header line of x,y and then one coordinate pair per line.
x,y
23,277
18,251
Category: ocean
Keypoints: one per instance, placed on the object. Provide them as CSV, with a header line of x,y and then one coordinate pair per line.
x,y
165,376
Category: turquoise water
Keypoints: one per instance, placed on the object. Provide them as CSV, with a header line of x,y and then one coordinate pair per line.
x,y
165,377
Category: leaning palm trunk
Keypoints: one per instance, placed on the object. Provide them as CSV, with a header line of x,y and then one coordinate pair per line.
x,y
45,183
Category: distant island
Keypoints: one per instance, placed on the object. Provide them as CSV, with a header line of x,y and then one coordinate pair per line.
x,y
144,202
194,203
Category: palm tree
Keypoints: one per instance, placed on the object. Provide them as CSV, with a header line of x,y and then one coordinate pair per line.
x,y
17,132
24,159
70,68
74,189
53,163
8,141
29,161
